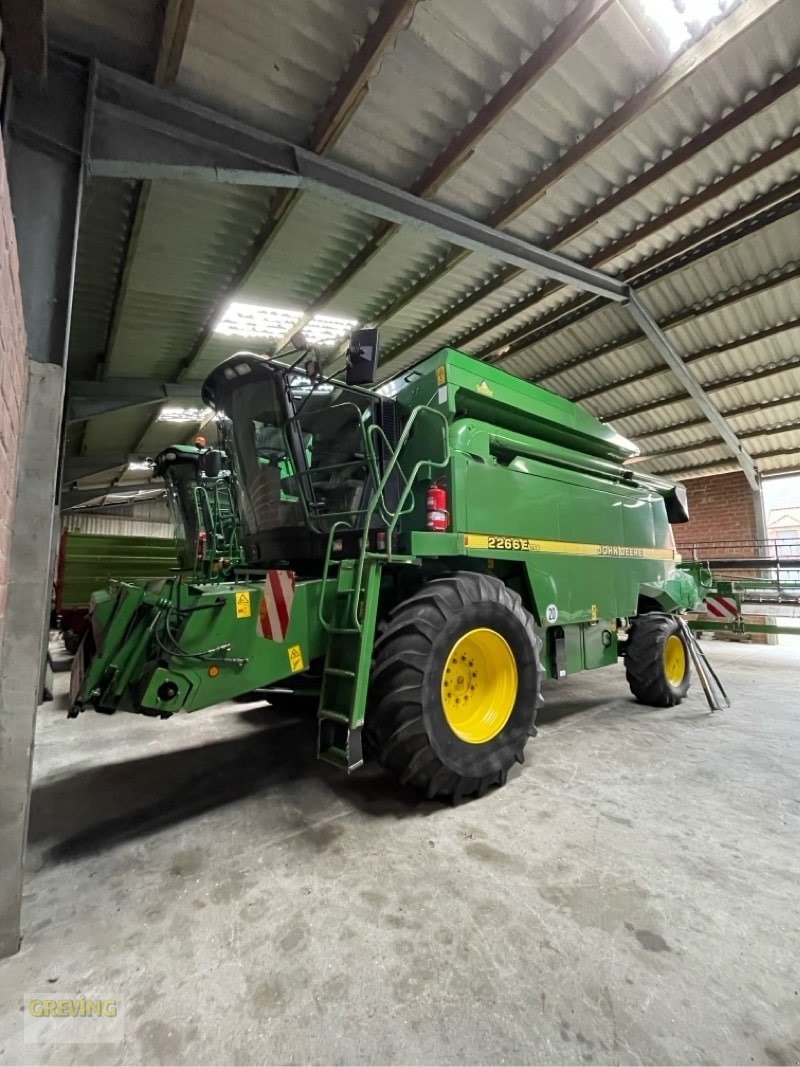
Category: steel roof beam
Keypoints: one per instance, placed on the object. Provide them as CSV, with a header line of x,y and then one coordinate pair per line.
x,y
704,140
167,58
71,498
78,467
650,328
744,16
743,435
790,272
172,40
677,248
87,399
769,371
140,132
759,212
137,128
329,125
697,471
331,121
729,413
462,144
690,359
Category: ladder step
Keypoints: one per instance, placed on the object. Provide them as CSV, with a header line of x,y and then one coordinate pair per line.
x,y
336,756
336,716
339,672
343,630
339,758
396,558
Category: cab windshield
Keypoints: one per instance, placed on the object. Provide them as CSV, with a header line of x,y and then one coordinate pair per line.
x,y
299,451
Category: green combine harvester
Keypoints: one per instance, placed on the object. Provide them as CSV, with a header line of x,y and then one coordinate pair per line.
x,y
203,509
428,551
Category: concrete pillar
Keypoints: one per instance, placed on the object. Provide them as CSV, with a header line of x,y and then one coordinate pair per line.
x,y
27,610
42,139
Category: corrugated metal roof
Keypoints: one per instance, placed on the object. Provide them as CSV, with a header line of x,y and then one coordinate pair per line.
x,y
276,70
189,247
101,248
121,33
271,64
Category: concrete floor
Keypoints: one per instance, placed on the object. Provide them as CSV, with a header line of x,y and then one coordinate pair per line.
x,y
631,896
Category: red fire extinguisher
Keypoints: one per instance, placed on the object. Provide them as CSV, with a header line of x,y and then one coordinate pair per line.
x,y
438,518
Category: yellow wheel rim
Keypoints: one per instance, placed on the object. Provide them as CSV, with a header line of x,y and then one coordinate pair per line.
x,y
674,660
479,686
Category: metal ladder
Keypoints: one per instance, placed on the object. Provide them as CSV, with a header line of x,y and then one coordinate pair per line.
x,y
345,676
353,617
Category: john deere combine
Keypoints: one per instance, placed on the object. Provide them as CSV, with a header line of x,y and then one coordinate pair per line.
x,y
203,508
431,549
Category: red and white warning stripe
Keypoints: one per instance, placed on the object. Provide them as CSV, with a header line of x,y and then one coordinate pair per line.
x,y
276,605
722,607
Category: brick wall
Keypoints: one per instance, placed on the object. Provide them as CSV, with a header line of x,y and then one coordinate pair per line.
x,y
13,377
721,508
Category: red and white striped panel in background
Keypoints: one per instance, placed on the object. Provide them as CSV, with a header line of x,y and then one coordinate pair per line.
x,y
722,607
275,609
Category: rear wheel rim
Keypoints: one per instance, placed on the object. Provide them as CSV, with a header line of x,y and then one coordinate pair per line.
x,y
479,686
674,660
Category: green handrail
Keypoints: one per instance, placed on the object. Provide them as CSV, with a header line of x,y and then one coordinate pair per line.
x,y
391,516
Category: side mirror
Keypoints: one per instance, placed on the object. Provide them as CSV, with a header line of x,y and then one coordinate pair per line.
x,y
362,357
212,463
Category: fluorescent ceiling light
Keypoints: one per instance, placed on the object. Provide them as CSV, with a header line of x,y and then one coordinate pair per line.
x,y
257,321
140,465
680,20
178,414
325,329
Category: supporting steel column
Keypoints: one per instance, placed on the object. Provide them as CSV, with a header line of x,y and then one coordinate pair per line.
x,y
43,140
648,325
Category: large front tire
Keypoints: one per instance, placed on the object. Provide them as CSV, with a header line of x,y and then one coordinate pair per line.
x,y
455,686
657,660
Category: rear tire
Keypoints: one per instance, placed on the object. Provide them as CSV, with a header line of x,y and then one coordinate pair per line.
x,y
436,721
657,663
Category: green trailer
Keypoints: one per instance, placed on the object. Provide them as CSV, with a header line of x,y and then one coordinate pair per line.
x,y
87,561
426,553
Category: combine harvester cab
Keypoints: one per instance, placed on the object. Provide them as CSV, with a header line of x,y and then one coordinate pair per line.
x,y
437,545
200,494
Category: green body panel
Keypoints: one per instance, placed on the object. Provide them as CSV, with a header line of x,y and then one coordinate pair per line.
x,y
538,495
537,485
213,650
88,561
472,388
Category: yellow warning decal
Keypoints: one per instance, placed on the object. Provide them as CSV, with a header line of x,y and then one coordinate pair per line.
x,y
296,659
487,542
243,609
595,613
441,375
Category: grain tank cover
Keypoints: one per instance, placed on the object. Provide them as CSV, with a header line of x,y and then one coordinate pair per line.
x,y
464,387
